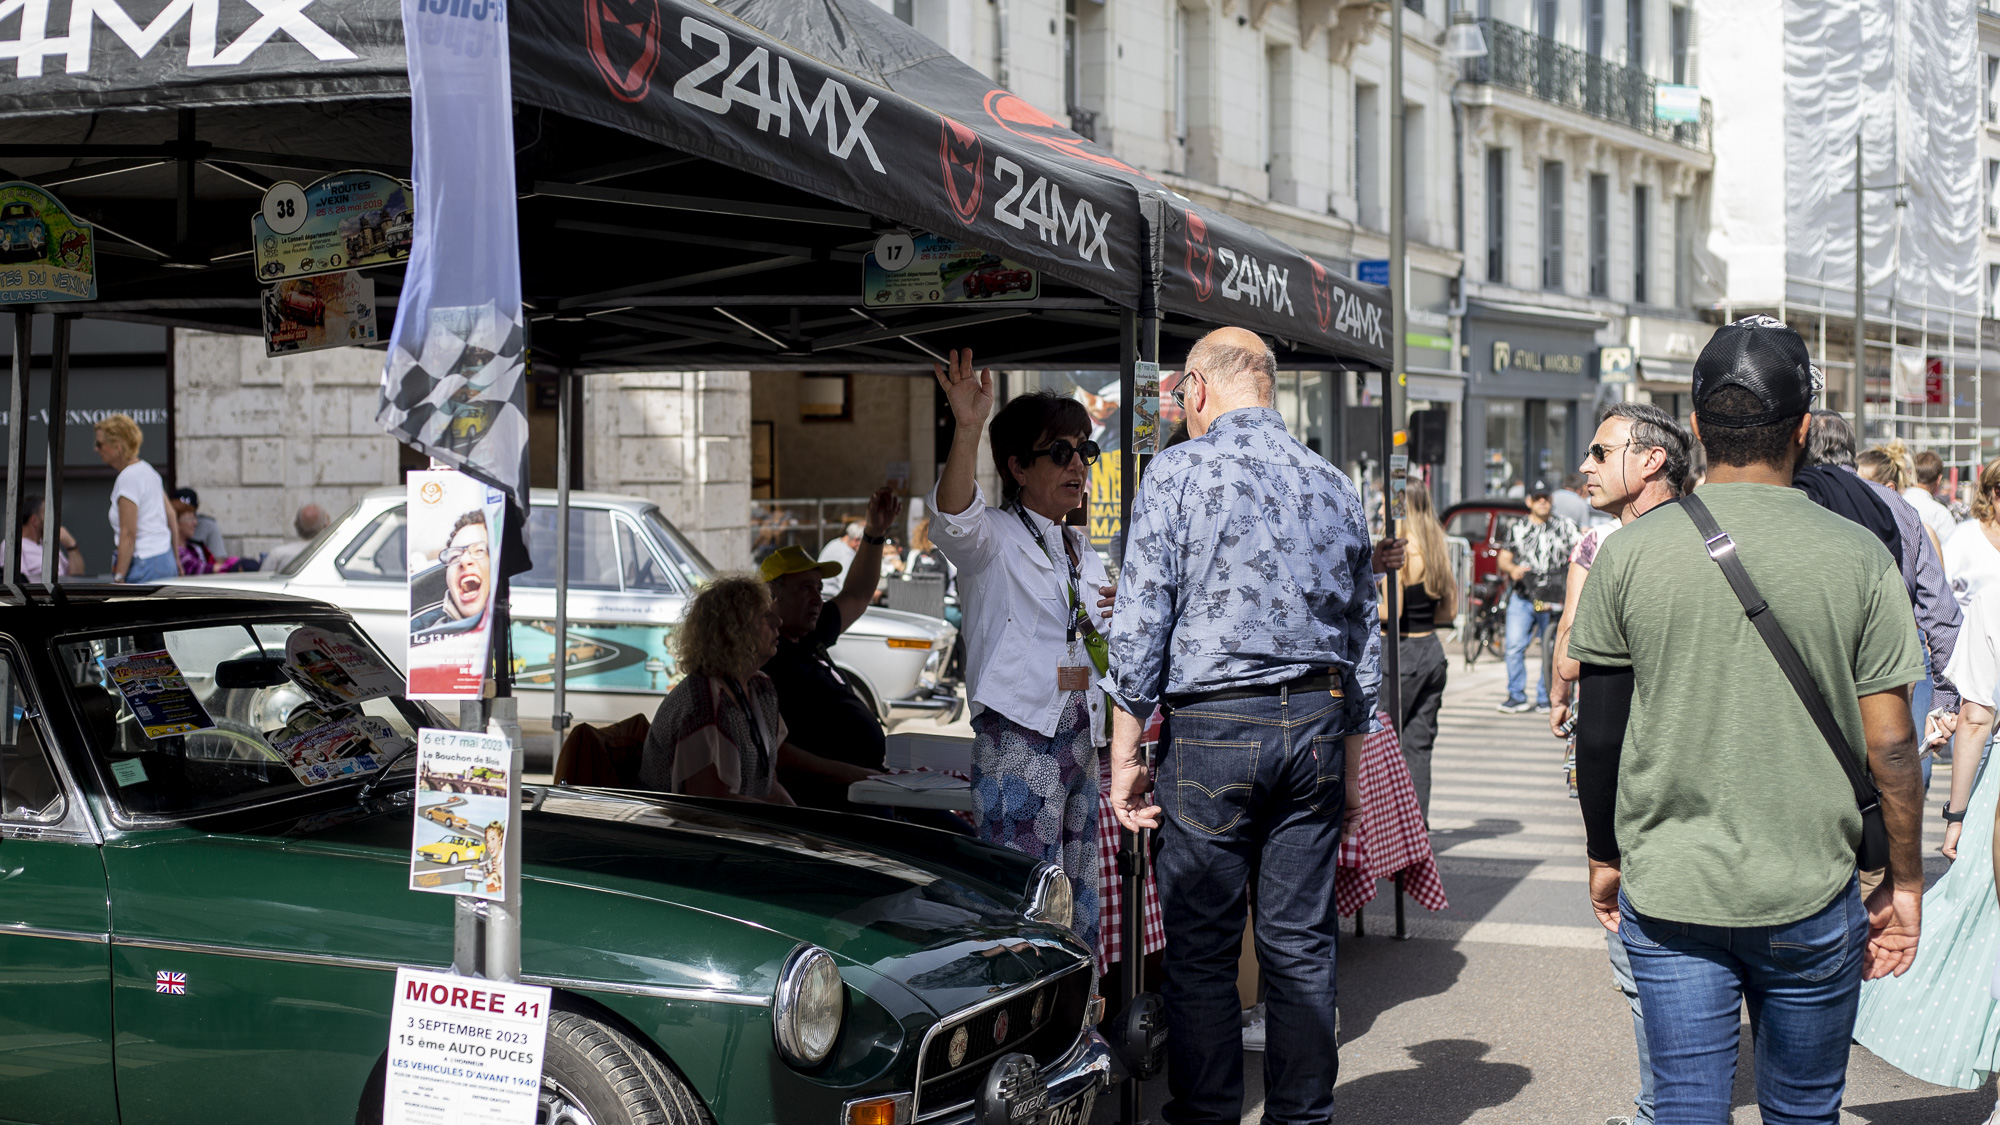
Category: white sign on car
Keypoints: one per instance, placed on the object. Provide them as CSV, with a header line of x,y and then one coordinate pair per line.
x,y
464,1051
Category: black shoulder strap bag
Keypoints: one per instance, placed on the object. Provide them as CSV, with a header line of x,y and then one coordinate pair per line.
x,y
1874,852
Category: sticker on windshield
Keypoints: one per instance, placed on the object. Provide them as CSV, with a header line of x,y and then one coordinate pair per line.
x,y
334,669
338,749
464,791
157,693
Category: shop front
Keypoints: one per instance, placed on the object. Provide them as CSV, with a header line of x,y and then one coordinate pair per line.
x,y
1529,398
1664,350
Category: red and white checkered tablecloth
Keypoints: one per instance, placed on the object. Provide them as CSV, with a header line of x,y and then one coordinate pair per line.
x,y
1111,887
1391,837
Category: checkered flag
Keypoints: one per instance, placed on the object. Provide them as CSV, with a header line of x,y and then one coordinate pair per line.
x,y
462,399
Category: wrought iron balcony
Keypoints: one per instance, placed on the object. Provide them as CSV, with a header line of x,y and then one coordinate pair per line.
x,y
1519,59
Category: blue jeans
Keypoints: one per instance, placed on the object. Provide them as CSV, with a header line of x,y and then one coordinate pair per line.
x,y
1523,625
1621,972
1803,984
1920,705
1252,790
159,568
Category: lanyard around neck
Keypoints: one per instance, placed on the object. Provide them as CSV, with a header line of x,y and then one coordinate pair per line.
x,y
1075,575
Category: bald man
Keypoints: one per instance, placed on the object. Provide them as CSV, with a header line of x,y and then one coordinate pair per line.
x,y
311,520
1247,609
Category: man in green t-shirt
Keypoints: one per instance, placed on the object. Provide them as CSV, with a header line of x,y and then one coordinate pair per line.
x,y
1730,825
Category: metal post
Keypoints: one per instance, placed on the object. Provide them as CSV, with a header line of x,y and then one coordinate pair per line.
x,y
559,666
1390,694
17,443
1860,300
468,916
57,436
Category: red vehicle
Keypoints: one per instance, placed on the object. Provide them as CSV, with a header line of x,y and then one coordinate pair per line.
x,y
301,307
991,281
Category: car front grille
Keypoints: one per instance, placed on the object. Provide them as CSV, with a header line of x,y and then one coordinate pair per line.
x,y
942,1087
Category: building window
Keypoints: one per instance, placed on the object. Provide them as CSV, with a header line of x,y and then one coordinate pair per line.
x,y
1593,27
1546,14
1993,289
1635,34
1180,76
1642,242
1600,234
1683,251
1416,6
904,12
1552,224
1278,102
1496,215
1992,194
1414,213
1368,155
1992,81
1678,26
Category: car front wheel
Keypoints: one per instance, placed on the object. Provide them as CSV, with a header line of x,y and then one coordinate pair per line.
x,y
593,1074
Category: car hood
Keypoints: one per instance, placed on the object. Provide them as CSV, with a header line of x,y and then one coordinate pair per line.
x,y
623,889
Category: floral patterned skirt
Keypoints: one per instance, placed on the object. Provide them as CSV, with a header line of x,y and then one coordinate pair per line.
x,y
1038,796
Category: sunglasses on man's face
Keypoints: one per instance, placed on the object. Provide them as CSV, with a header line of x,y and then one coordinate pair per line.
x,y
1060,451
1601,453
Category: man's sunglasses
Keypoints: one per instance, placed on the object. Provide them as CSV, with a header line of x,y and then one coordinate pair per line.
x,y
1060,451
1601,453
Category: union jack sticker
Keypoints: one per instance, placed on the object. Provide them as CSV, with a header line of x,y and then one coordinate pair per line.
x,y
173,984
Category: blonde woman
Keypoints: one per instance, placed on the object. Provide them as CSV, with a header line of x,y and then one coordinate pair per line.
x,y
1428,597
144,527
1972,554
718,733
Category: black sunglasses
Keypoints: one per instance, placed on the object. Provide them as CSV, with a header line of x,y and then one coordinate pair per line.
x,y
1060,451
1601,453
1179,392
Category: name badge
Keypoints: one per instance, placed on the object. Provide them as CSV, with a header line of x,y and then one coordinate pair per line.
x,y
1073,677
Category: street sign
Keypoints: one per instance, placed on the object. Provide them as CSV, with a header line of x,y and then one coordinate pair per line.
x,y
1374,271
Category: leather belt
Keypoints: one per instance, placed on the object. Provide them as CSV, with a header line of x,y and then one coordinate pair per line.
x,y
1318,681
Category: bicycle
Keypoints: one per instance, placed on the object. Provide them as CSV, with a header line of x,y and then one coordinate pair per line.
x,y
1486,620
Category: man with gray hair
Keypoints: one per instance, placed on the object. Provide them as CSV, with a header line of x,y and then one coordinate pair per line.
x,y
842,551
1246,608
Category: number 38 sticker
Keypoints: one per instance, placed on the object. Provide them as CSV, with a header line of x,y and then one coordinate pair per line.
x,y
285,207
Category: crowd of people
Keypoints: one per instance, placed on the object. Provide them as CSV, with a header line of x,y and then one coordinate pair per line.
x,y
1757,636
156,535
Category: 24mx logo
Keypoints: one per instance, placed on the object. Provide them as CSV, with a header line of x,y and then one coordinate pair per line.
x,y
1246,282
1041,203
738,89
202,16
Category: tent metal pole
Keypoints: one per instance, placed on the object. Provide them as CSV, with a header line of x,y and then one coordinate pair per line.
x,y
1389,695
58,433
1860,383
559,663
17,442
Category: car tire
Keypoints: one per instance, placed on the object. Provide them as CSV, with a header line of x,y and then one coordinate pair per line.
x,y
454,855
593,1073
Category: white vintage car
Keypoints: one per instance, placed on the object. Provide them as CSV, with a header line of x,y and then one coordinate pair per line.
x,y
630,572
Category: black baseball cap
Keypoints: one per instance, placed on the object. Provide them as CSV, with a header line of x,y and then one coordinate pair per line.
x,y
1764,356
187,496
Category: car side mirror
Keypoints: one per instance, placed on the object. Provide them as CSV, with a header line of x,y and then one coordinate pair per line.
x,y
251,672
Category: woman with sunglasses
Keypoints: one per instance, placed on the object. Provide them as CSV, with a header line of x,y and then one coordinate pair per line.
x,y
1034,598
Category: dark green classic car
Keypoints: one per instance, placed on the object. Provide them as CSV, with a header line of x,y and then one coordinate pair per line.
x,y
191,934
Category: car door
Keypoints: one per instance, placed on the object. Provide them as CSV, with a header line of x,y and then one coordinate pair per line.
x,y
55,983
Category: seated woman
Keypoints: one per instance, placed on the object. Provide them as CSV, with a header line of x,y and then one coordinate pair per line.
x,y
193,554
719,733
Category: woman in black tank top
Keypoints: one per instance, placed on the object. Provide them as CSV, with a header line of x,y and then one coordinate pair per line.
x,y
1428,595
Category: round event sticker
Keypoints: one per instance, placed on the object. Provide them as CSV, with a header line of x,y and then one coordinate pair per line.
x,y
895,250
284,207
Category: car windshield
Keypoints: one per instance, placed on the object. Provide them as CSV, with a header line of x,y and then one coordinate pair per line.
x,y
693,565
212,715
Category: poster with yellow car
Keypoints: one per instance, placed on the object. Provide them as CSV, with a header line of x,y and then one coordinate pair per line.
x,y
464,789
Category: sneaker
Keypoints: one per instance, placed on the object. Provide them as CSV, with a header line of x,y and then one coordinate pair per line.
x,y
1516,707
1253,1029
1541,708
1617,1121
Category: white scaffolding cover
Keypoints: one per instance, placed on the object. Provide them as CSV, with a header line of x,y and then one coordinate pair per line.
x,y
1906,74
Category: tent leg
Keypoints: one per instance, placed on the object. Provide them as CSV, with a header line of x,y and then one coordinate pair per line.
x,y
17,442
559,663
58,432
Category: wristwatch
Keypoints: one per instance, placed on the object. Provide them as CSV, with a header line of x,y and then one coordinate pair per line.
x,y
874,540
1951,817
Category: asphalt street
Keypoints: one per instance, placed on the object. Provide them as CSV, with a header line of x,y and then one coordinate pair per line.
x,y
1501,1008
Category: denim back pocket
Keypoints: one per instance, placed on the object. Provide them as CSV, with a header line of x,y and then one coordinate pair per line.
x,y
1329,757
1212,781
1816,948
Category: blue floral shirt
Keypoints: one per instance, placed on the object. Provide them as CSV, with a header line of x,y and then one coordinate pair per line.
x,y
1247,564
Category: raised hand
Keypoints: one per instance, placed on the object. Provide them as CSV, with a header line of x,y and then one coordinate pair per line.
x,y
970,395
882,509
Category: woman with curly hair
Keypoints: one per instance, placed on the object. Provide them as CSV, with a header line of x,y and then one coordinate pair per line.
x,y
718,733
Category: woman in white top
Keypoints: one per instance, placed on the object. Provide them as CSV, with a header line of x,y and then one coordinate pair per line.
x,y
145,529
1034,652
1972,554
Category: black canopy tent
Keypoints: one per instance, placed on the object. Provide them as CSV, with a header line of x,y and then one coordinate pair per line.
x,y
698,186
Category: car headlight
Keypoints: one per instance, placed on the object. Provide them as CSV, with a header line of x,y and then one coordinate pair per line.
x,y
1050,897
810,1003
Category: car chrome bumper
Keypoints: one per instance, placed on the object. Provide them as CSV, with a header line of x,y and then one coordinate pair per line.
x,y
1087,1064
942,703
